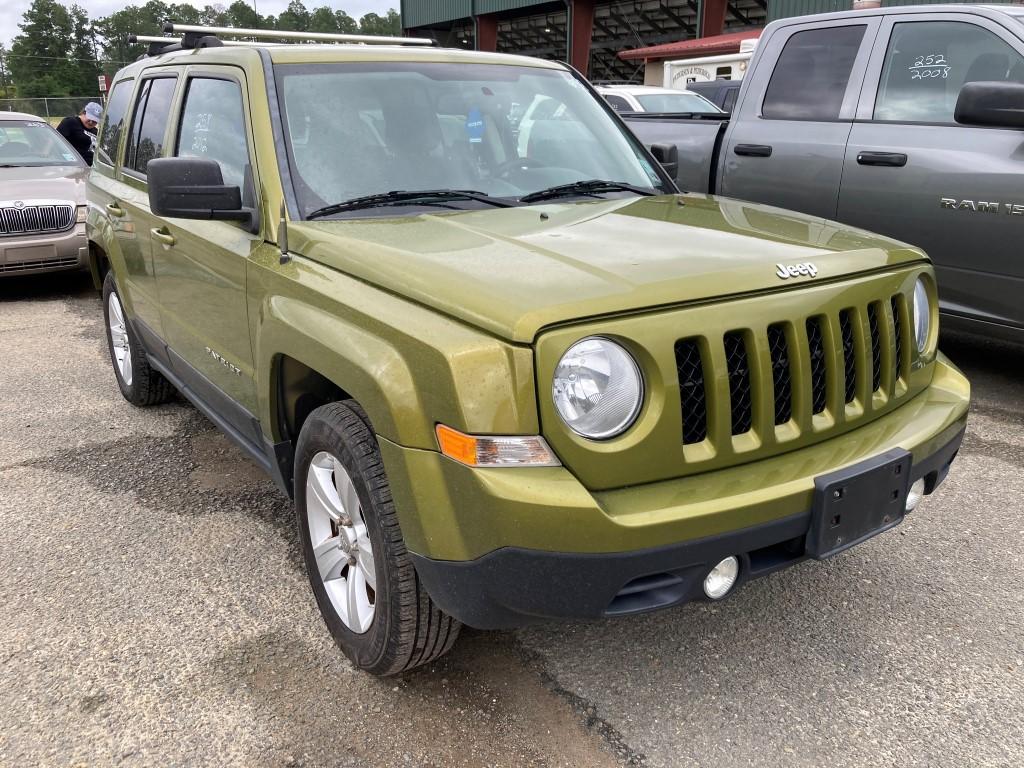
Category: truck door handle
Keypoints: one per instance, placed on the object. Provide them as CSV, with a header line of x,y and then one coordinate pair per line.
x,y
115,210
892,159
753,150
163,236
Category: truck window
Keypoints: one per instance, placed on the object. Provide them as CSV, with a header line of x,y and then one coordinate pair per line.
x,y
812,74
149,124
213,126
113,122
928,62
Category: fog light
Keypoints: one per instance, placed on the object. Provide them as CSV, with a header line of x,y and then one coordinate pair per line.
x,y
915,494
722,578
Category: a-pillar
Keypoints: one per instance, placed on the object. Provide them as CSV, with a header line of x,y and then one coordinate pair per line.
x,y
487,33
582,29
712,18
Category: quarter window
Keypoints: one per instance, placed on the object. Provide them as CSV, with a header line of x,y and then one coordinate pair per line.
x,y
928,62
114,119
149,125
213,126
812,74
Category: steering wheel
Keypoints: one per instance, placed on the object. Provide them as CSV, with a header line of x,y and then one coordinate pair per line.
x,y
505,170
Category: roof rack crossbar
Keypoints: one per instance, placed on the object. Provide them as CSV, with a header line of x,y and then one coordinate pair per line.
x,y
190,30
164,43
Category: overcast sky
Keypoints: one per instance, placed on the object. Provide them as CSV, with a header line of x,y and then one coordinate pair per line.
x,y
12,10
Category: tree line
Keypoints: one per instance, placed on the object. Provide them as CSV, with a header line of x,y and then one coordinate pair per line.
x,y
61,51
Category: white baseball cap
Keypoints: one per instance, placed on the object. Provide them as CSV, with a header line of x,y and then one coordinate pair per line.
x,y
93,111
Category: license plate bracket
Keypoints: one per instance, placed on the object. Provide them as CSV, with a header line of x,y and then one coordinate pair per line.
x,y
858,502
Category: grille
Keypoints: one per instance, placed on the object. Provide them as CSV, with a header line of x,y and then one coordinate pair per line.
x,y
849,355
897,319
828,336
24,266
781,377
692,394
737,362
816,347
876,348
36,219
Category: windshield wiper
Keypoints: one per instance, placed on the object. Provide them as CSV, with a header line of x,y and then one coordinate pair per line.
x,y
589,187
401,197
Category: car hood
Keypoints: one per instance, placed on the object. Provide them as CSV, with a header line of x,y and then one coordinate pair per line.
x,y
514,271
49,182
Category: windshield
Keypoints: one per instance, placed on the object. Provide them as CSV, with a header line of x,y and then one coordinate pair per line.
x,y
27,142
675,102
357,129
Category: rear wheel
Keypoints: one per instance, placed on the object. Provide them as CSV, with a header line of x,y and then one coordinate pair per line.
x,y
360,571
139,382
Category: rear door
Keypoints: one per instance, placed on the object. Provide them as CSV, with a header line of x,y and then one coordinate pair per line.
x,y
200,264
130,214
912,173
788,137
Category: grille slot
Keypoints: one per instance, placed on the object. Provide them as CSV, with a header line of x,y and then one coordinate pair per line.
x,y
738,365
897,320
876,348
692,394
849,355
781,377
816,347
35,219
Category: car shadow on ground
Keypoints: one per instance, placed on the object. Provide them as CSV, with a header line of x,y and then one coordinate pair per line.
x,y
56,286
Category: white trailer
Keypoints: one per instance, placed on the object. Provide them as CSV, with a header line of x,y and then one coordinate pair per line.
x,y
729,66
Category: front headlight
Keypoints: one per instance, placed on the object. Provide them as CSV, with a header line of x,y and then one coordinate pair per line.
x,y
922,315
597,388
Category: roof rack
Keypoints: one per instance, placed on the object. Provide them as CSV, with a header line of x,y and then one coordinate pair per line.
x,y
204,37
158,45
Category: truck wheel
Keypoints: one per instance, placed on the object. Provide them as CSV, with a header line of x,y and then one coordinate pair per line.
x,y
363,579
139,382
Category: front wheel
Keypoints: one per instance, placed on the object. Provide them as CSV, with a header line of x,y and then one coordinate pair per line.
x,y
362,577
138,381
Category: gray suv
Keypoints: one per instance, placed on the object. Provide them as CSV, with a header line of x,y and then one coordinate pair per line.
x,y
42,198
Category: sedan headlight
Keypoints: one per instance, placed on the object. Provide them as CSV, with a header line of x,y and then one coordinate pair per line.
x,y
597,388
922,315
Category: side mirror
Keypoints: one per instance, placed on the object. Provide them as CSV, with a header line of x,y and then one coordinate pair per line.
x,y
996,104
667,156
193,188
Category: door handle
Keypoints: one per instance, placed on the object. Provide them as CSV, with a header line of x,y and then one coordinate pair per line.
x,y
115,210
753,150
163,236
891,159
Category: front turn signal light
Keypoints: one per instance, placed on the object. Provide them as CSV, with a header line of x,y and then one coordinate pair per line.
x,y
492,451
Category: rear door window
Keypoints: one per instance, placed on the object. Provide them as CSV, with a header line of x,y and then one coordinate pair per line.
x,y
149,124
114,118
812,74
928,62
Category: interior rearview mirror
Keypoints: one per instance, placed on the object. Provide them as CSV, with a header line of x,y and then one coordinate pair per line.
x,y
667,156
193,188
995,104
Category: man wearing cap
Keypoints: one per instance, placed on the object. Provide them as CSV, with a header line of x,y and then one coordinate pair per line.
x,y
80,129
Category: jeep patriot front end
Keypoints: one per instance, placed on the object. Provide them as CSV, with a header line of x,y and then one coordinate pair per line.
x,y
507,371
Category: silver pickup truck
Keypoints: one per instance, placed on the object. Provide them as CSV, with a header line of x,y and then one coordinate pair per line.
x,y
907,121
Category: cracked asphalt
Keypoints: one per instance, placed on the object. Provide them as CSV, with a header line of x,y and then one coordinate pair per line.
x,y
155,612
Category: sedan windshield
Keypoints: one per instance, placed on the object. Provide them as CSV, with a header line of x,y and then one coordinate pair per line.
x,y
31,143
676,102
505,132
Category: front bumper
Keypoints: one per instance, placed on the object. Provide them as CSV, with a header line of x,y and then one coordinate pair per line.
x,y
505,547
52,252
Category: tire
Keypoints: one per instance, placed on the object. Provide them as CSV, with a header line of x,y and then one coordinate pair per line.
x,y
140,384
374,605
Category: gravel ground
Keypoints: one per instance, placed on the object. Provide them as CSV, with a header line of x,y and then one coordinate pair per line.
x,y
155,612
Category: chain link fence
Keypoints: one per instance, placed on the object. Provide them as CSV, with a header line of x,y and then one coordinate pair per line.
x,y
51,109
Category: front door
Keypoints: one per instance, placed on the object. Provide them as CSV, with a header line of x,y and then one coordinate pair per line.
x,y
201,265
912,173
786,145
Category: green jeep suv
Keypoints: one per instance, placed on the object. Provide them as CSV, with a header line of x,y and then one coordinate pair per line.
x,y
505,378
